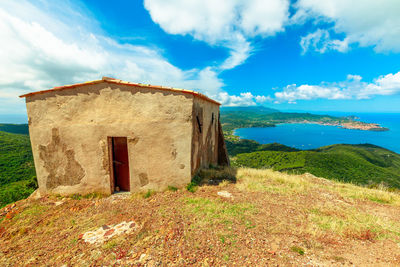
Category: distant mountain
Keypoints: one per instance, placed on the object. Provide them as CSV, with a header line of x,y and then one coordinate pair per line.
x,y
14,128
259,109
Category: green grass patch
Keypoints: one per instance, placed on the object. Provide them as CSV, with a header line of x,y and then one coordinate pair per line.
x,y
110,245
29,214
298,250
172,188
192,187
218,211
148,193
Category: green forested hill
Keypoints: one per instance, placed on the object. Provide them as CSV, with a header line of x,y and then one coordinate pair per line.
x,y
14,128
238,146
360,164
17,171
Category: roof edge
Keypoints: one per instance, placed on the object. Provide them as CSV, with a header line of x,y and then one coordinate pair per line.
x,y
117,81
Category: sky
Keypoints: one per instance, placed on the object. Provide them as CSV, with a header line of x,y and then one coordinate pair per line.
x,y
303,55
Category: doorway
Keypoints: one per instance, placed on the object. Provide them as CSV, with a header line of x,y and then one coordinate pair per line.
x,y
120,164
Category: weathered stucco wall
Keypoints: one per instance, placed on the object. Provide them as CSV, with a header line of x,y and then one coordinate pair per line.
x,y
205,134
69,130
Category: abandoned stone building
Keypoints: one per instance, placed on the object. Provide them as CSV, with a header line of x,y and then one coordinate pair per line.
x,y
110,135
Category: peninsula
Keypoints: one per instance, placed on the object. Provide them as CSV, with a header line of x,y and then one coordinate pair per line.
x,y
259,116
351,124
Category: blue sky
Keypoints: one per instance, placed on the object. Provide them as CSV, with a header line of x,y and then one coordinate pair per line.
x,y
331,55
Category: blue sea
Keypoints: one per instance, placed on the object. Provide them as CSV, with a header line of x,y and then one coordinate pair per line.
x,y
309,136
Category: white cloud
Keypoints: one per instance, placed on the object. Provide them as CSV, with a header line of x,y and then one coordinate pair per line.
x,y
240,50
364,22
244,99
229,24
45,44
292,93
320,41
384,85
38,51
351,88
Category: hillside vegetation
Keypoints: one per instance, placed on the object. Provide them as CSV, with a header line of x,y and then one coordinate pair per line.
x,y
17,171
270,219
14,128
360,164
363,164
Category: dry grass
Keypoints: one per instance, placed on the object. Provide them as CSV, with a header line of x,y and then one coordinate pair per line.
x,y
352,223
273,219
205,211
256,180
330,212
361,193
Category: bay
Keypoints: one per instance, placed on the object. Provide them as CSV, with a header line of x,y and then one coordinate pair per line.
x,y
310,136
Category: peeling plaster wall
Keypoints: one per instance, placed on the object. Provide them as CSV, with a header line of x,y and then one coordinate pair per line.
x,y
69,130
205,134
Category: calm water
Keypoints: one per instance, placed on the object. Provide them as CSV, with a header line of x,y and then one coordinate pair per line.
x,y
307,136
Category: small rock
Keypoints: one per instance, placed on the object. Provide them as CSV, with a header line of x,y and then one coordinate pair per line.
x,y
109,232
225,194
142,258
58,203
106,232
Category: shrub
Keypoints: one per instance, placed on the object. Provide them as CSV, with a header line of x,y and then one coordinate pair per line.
x,y
76,196
212,176
172,188
192,187
298,250
148,194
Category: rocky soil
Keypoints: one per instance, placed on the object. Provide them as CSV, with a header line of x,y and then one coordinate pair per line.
x,y
266,218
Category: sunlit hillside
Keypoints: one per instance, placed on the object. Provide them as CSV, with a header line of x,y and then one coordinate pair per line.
x,y
266,218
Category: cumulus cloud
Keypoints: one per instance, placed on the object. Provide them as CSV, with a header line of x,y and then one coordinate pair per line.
x,y
352,88
244,99
39,51
321,41
45,44
231,24
364,22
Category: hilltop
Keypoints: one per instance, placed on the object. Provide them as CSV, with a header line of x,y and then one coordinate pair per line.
x,y
363,164
266,218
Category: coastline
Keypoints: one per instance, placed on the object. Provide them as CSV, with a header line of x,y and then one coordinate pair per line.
x,y
354,125
313,135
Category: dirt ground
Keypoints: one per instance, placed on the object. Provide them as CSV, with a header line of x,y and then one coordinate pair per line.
x,y
266,218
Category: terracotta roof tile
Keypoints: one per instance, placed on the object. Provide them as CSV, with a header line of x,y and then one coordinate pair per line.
x,y
117,81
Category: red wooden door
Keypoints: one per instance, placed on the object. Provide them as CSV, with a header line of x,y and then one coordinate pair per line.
x,y
121,163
